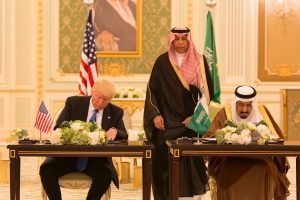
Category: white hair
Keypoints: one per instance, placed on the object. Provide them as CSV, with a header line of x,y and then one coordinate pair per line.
x,y
104,87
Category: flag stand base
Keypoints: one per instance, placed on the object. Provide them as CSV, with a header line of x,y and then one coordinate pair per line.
x,y
198,142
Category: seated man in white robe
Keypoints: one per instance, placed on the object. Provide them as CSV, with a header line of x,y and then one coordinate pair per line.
x,y
254,178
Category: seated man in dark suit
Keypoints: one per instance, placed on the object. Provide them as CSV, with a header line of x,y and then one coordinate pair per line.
x,y
101,170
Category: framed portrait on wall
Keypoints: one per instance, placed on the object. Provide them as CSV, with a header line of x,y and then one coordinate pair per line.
x,y
68,39
117,26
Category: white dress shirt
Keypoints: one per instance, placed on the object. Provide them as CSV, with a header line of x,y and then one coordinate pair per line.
x,y
91,112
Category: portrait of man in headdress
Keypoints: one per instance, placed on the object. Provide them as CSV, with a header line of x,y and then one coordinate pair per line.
x,y
116,25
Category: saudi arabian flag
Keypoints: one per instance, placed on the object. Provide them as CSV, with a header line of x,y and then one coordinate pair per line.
x,y
200,121
210,53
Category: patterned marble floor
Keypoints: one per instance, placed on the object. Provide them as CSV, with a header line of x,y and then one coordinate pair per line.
x,y
31,188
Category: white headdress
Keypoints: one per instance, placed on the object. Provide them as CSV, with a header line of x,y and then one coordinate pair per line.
x,y
246,94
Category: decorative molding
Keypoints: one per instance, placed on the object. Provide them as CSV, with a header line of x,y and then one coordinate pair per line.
x,y
23,112
186,13
199,24
189,14
8,47
17,90
234,41
2,36
177,14
278,32
23,38
1,112
275,85
40,51
130,104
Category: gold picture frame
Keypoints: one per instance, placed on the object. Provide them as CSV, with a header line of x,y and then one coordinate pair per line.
x,y
118,28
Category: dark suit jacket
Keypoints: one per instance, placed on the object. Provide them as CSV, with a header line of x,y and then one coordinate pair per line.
x,y
76,108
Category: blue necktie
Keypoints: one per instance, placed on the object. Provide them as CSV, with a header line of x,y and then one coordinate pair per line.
x,y
82,161
94,116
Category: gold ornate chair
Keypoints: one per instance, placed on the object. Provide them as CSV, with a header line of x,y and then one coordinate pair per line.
x,y
77,180
290,102
213,109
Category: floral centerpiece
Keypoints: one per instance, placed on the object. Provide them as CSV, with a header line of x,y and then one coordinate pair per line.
x,y
129,93
80,133
244,133
20,133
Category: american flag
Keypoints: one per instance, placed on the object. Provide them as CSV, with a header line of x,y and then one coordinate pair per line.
x,y
43,120
88,62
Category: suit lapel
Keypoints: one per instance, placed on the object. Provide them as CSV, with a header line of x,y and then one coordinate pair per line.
x,y
83,110
106,118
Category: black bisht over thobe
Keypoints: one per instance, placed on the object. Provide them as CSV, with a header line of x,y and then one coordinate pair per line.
x,y
167,96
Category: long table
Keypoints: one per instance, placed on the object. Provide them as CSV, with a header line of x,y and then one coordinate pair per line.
x,y
144,150
177,150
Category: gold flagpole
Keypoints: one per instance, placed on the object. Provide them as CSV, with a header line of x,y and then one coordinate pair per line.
x,y
41,142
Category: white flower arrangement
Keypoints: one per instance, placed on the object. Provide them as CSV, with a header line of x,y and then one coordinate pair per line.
x,y
20,133
129,93
79,133
244,133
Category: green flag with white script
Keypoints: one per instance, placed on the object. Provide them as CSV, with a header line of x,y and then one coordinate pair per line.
x,y
200,121
210,53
